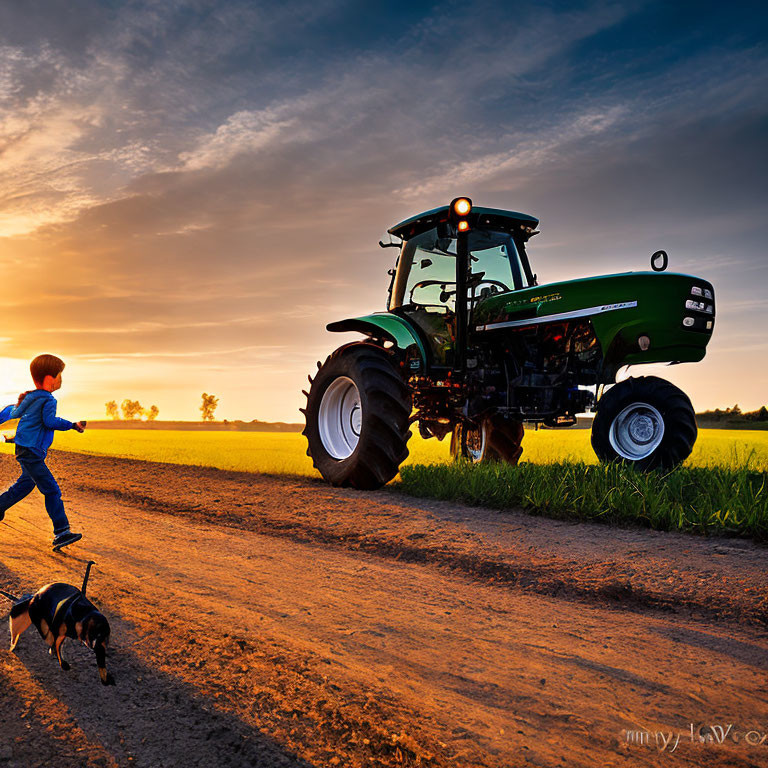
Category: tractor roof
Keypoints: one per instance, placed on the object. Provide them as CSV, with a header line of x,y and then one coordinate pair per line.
x,y
490,218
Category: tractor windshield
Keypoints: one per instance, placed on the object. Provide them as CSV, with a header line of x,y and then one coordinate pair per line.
x,y
495,264
426,269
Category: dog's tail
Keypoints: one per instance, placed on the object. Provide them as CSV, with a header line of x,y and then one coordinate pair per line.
x,y
11,597
88,567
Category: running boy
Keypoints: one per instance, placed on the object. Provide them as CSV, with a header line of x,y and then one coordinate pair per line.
x,y
36,411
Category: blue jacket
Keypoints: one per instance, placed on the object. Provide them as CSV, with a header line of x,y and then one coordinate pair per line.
x,y
37,420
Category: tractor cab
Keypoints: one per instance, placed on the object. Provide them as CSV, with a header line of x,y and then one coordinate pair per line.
x,y
425,281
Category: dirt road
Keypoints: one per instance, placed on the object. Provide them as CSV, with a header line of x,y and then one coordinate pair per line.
x,y
263,621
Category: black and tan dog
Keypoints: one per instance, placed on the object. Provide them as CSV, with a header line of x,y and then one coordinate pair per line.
x,y
60,611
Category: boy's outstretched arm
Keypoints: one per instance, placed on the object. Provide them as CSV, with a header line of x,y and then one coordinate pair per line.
x,y
51,420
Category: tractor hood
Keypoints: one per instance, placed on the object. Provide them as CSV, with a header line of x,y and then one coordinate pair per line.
x,y
670,309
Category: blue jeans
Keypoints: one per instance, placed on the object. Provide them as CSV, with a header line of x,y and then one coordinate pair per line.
x,y
35,473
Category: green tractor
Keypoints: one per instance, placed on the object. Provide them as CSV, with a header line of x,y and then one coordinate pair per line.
x,y
472,346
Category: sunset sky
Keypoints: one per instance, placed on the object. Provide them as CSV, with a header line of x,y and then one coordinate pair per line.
x,y
190,191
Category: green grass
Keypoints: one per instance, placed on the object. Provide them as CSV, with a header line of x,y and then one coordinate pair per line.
x,y
721,487
696,499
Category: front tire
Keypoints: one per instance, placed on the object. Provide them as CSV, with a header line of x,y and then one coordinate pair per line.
x,y
645,421
357,418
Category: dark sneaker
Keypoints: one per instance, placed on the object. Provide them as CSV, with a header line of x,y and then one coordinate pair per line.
x,y
65,539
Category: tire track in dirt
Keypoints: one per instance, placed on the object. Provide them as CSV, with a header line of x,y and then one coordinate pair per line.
x,y
566,580
418,531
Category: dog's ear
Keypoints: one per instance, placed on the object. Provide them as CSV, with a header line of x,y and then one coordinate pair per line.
x,y
87,635
96,631
91,632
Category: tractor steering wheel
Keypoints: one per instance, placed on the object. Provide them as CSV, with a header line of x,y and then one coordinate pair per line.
x,y
488,281
495,286
444,294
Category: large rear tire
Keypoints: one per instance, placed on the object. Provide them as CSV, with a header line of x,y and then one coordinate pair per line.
x,y
647,422
494,439
357,414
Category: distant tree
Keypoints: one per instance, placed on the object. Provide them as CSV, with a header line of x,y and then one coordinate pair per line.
x,y
112,411
734,416
131,409
209,406
152,413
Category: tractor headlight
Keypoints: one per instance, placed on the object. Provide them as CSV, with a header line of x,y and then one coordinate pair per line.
x,y
700,306
458,211
699,291
462,206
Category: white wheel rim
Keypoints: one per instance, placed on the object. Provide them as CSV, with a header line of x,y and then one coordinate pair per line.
x,y
475,441
340,418
637,431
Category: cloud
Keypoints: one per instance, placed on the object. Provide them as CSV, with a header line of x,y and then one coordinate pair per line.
x,y
245,131
527,152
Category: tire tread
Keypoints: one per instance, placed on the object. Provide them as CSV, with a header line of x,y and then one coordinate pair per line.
x,y
385,434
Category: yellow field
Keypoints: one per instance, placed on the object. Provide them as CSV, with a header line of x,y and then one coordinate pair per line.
x,y
284,453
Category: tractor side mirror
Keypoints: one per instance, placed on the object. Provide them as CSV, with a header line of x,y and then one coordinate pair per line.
x,y
426,263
